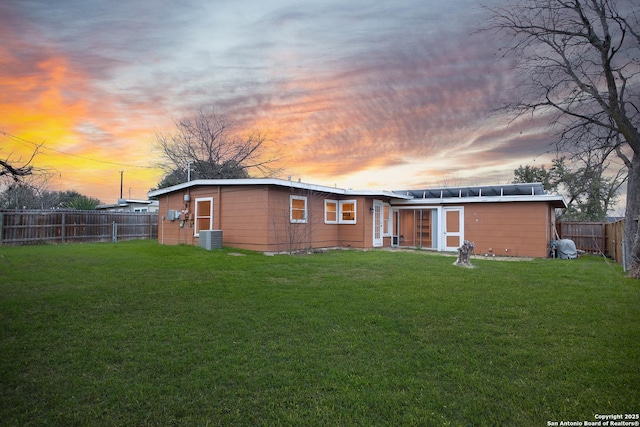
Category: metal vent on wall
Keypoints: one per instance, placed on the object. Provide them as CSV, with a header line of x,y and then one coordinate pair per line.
x,y
211,239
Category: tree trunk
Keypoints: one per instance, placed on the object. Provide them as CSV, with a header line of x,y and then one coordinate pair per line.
x,y
631,229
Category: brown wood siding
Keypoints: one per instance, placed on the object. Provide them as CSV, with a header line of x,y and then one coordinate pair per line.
x,y
509,229
242,216
283,235
286,236
360,234
238,211
257,218
170,232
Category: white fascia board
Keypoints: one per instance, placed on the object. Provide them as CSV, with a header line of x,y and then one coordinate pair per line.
x,y
377,193
247,182
463,200
399,199
305,186
142,202
279,183
161,191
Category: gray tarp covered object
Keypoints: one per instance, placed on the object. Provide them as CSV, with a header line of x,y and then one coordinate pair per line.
x,y
566,249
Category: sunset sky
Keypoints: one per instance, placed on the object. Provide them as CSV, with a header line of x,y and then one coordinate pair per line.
x,y
375,94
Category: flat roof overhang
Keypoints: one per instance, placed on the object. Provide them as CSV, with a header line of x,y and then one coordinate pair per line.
x,y
508,193
555,200
278,183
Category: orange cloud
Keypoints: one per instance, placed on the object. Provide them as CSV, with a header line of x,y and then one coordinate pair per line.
x,y
379,96
47,101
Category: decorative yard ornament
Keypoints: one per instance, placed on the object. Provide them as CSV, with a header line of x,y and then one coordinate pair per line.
x,y
464,254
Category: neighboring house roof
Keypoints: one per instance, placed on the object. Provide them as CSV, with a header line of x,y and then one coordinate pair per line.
x,y
436,196
127,202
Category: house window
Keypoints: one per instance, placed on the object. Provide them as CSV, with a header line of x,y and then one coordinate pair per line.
x,y
204,215
347,211
340,212
387,224
330,212
298,209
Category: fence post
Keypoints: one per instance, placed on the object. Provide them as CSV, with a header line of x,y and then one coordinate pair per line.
x,y
23,227
63,230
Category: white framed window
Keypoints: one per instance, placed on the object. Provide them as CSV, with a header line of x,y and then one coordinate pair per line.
x,y
387,220
339,212
347,211
298,209
203,215
330,211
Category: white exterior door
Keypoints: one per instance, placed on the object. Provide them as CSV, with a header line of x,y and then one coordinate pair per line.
x,y
453,228
378,225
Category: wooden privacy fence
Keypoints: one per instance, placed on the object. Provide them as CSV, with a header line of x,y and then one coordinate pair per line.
x,y
595,237
615,236
28,227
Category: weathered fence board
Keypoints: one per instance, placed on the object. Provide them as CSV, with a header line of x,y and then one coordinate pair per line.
x,y
25,227
615,235
588,236
595,237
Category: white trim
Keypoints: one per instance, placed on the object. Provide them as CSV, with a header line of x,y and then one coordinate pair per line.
x,y
388,220
483,199
459,233
397,198
378,224
305,210
196,231
335,202
276,182
341,212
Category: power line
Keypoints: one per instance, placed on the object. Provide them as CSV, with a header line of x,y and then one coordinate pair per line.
x,y
17,138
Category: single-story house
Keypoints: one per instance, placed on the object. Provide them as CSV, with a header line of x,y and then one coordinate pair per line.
x,y
130,205
274,215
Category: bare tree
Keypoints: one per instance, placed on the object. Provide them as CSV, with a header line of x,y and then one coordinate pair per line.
x,y
16,170
13,171
580,65
295,237
205,147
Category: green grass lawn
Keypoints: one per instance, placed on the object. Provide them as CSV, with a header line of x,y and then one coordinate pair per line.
x,y
135,333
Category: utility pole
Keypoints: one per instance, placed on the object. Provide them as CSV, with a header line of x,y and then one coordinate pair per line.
x,y
121,174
